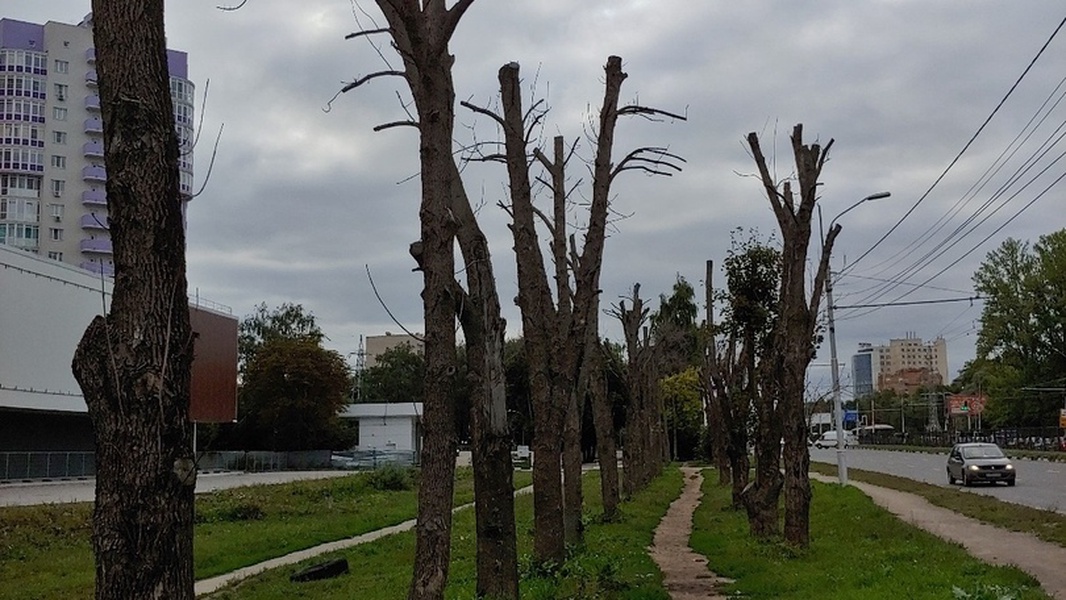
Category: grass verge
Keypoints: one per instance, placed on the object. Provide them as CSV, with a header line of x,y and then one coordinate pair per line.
x,y
46,552
1047,525
613,565
858,551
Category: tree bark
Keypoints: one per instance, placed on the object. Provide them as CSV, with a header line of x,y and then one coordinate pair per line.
x,y
421,37
794,332
134,364
606,448
573,496
484,328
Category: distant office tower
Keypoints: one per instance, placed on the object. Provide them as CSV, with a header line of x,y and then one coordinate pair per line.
x,y
863,372
52,172
904,365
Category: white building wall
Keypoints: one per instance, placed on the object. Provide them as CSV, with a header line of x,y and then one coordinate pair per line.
x,y
386,433
46,306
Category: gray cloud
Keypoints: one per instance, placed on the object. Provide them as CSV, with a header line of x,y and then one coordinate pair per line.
x,y
301,200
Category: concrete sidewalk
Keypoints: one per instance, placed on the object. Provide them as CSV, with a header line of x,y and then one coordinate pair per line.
x,y
995,545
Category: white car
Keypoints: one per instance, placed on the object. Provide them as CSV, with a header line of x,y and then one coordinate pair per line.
x,y
829,439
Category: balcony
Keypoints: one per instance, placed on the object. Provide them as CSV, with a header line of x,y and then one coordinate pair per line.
x,y
91,173
98,266
90,78
90,56
94,222
94,198
92,102
97,246
94,125
93,149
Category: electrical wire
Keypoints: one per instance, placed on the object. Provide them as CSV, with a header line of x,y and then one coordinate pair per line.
x,y
958,156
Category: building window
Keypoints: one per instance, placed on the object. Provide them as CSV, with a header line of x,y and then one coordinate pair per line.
x,y
59,162
56,234
62,91
55,255
58,187
57,212
59,137
18,209
59,113
62,66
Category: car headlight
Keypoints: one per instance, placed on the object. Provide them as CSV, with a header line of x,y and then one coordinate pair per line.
x,y
974,467
1010,467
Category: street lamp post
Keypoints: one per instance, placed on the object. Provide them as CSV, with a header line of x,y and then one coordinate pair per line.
x,y
838,408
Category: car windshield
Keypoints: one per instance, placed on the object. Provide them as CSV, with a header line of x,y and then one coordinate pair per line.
x,y
982,452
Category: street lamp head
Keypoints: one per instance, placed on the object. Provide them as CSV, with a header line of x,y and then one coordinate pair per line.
x,y
877,196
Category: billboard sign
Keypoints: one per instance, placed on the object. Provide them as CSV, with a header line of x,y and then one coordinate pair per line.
x,y
962,405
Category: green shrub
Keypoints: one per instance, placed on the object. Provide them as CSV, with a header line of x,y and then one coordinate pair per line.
x,y
391,478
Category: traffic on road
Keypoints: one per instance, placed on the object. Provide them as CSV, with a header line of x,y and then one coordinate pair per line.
x,y
1038,483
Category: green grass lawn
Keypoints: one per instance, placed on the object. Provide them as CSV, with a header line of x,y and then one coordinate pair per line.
x,y
1047,525
614,563
858,551
46,553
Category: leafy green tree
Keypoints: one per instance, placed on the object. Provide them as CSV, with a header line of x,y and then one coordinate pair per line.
x,y
292,393
1022,339
397,376
749,311
674,329
684,412
288,321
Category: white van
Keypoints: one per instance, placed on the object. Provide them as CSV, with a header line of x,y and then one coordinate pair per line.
x,y
829,439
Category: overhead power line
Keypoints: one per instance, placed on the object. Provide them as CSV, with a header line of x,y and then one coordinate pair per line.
x,y
909,302
961,152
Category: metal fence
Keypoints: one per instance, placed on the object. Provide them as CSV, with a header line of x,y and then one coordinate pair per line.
x,y
1049,439
17,466
256,460
21,466
373,458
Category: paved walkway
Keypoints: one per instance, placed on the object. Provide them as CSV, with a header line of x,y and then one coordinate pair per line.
x,y
994,545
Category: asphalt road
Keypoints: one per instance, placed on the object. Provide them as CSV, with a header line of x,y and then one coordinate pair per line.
x,y
24,494
1040,484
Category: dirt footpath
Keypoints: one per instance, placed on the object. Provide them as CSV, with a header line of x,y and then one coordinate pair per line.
x,y
686,576
685,573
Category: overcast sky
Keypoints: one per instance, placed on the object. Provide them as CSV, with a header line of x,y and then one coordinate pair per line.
x,y
302,201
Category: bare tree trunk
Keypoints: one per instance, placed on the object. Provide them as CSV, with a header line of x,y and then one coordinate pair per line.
x,y
497,554
606,448
714,409
133,366
736,407
421,37
794,331
640,449
573,498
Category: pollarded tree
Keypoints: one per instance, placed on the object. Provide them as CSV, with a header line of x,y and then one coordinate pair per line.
x,y
133,365
421,32
556,331
793,346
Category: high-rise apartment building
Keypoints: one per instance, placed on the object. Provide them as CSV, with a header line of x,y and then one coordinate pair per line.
x,y
53,200
904,364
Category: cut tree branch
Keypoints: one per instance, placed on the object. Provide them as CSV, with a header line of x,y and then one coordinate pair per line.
x,y
367,32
